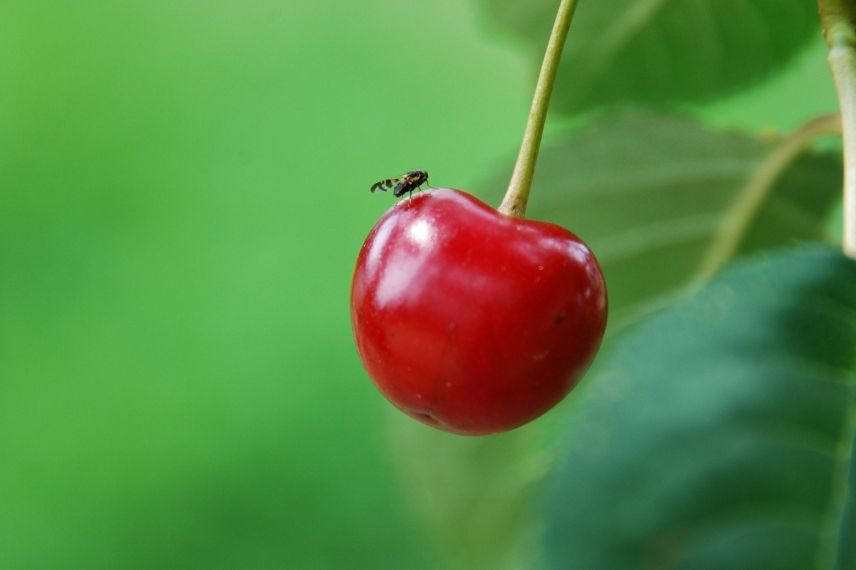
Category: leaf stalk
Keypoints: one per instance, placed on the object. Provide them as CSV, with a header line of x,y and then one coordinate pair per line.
x,y
739,219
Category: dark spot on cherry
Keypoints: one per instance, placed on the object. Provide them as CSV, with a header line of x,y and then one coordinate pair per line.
x,y
427,417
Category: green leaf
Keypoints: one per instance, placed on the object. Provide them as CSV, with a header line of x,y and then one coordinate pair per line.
x,y
655,196
649,193
660,51
719,434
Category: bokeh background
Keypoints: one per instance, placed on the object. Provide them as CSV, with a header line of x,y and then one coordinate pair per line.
x,y
183,192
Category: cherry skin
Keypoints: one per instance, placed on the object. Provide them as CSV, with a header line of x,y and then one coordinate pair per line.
x,y
472,321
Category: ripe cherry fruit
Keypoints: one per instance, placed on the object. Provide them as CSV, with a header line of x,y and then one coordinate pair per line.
x,y
470,320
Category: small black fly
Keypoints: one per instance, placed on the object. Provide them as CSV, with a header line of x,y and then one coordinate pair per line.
x,y
408,182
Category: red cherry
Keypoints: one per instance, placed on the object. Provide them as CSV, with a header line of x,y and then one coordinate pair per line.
x,y
472,321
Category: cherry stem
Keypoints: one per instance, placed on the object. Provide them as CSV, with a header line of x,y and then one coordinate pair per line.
x,y
838,18
517,195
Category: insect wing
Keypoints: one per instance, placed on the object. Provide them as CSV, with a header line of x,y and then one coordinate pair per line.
x,y
384,184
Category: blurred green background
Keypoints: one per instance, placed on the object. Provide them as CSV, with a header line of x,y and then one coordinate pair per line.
x,y
183,192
